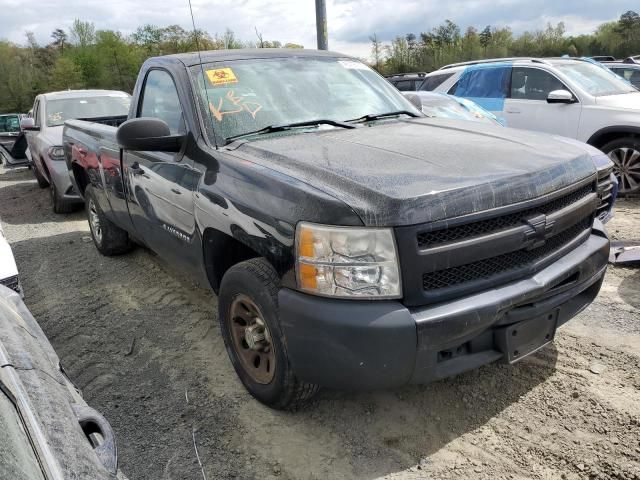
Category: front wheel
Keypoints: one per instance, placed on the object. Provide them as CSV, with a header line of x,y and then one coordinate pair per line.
x,y
248,314
625,154
42,182
59,206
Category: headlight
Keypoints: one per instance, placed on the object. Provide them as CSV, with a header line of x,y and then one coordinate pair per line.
x,y
349,262
56,153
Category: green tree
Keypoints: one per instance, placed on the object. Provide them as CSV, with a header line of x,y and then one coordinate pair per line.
x,y
83,34
66,75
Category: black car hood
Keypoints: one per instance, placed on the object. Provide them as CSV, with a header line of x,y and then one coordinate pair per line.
x,y
423,170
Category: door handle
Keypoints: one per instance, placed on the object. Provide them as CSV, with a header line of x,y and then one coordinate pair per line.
x,y
176,191
513,110
136,169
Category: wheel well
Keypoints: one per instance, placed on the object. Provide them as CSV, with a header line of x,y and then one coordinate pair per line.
x,y
221,252
601,138
81,176
46,170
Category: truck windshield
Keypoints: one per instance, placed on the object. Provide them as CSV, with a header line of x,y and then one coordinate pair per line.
x,y
62,109
243,96
9,124
598,81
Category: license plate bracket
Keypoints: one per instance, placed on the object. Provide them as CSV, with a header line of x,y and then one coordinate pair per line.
x,y
521,339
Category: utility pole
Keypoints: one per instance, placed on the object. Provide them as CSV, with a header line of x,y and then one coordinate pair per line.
x,y
321,24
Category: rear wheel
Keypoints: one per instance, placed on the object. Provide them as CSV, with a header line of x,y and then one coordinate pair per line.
x,y
248,314
109,239
625,154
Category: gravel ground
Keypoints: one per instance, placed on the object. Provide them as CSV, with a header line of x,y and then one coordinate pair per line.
x,y
143,345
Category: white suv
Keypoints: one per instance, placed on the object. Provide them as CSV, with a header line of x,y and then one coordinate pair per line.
x,y
564,96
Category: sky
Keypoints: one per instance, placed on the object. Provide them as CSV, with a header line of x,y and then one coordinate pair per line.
x,y
350,22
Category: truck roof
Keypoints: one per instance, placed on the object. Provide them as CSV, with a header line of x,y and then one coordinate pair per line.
x,y
80,93
195,58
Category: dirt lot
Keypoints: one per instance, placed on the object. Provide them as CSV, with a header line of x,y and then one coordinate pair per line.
x,y
144,347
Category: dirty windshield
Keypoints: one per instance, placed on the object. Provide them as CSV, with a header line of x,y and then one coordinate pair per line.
x,y
62,109
244,96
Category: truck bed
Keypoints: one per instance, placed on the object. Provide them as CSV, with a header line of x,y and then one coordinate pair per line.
x,y
114,121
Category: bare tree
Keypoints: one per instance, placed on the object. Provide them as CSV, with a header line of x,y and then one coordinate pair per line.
x,y
376,51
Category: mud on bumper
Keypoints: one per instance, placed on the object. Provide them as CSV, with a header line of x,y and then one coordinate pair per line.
x,y
381,344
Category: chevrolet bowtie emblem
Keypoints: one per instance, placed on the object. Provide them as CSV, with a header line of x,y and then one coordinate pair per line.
x,y
540,227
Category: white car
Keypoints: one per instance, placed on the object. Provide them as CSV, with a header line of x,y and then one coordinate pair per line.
x,y
8,269
570,97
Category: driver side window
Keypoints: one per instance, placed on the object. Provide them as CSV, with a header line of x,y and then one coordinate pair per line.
x,y
533,84
160,100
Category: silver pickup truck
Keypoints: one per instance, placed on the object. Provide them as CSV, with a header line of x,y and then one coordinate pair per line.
x,y
44,136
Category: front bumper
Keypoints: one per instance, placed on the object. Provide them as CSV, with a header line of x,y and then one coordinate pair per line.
x,y
366,345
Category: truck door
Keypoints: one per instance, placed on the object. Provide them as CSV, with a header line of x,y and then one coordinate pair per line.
x,y
160,185
527,105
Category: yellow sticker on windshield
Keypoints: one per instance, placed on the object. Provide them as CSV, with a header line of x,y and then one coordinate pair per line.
x,y
221,76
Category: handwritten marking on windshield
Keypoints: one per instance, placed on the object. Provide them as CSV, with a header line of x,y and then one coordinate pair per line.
x,y
240,104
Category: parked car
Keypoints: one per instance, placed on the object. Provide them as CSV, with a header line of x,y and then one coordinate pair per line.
x,y
9,276
442,105
603,58
632,59
44,135
13,144
629,71
570,97
406,82
48,430
9,128
381,247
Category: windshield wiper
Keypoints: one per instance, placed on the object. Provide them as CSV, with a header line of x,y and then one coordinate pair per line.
x,y
289,126
376,116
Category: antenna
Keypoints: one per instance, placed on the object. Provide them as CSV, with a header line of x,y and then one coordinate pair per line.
x,y
204,79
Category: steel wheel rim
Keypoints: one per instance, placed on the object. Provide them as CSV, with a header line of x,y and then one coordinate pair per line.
x,y
627,168
94,221
252,340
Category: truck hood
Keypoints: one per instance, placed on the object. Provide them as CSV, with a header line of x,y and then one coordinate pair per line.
x,y
626,101
423,170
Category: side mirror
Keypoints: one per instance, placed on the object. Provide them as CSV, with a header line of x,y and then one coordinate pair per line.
x,y
415,100
148,134
560,96
28,124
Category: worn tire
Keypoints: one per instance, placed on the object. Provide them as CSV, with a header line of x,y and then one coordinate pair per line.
x,y
629,164
42,182
257,280
112,240
59,206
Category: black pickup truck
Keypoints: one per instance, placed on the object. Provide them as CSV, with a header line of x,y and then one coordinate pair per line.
x,y
352,242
